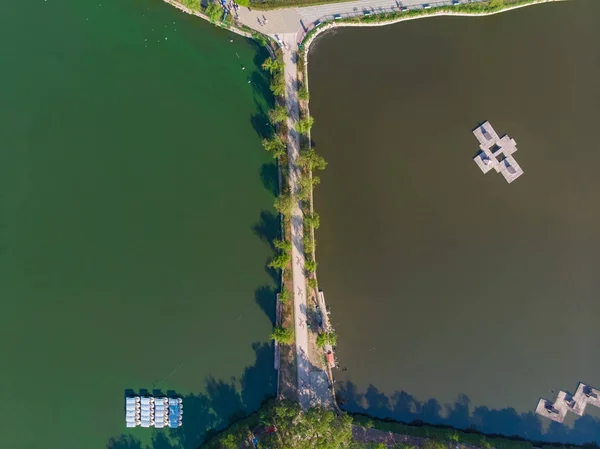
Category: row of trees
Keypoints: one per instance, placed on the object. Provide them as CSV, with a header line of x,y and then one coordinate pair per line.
x,y
275,145
275,67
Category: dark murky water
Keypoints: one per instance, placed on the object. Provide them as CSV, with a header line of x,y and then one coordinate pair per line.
x,y
458,298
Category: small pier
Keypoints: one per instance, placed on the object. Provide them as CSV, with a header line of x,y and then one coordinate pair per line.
x,y
497,153
565,402
149,411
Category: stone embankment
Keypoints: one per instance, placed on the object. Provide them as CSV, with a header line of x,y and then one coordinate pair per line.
x,y
329,23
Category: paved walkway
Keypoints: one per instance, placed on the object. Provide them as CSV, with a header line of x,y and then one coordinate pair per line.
x,y
294,20
298,275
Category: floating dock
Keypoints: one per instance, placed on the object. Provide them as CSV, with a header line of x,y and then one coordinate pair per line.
x,y
148,411
497,153
565,402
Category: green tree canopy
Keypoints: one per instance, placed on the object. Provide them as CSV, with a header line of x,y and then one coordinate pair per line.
x,y
325,338
283,335
309,243
284,204
192,4
277,85
278,115
304,125
316,428
313,220
280,261
283,245
303,93
258,37
284,295
307,184
275,145
214,11
272,66
310,265
310,160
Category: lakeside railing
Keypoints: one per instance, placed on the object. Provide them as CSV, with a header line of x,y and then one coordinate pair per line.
x,y
397,6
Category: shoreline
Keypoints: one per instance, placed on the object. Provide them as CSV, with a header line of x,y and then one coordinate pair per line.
x,y
200,14
332,24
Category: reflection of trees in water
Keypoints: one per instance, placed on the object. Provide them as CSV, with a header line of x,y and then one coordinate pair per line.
x,y
402,406
206,413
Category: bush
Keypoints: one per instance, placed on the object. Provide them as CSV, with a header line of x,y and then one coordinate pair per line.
x,y
304,125
258,37
194,5
309,244
330,338
275,145
284,204
283,335
303,93
278,115
214,12
280,261
283,245
284,296
313,220
311,161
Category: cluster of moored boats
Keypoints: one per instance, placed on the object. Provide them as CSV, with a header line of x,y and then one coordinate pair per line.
x,y
148,411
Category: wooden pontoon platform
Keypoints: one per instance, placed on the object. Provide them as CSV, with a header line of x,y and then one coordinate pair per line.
x,y
565,402
497,153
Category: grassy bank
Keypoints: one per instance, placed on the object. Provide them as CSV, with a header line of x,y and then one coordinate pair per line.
x,y
451,435
479,8
281,424
488,7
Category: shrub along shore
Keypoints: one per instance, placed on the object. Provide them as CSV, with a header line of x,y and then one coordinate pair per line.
x,y
281,424
479,9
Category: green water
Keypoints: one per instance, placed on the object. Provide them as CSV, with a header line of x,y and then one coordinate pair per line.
x,y
134,196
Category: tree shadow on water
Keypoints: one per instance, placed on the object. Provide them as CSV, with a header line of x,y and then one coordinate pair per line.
x,y
268,228
260,79
221,403
404,407
265,297
269,175
260,123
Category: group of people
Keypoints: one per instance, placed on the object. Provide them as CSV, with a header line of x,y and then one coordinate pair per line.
x,y
233,8
263,22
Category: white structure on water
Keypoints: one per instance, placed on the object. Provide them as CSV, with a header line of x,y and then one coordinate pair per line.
x,y
496,153
565,402
148,411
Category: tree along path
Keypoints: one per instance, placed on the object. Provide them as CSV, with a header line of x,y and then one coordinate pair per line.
x,y
293,20
298,261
